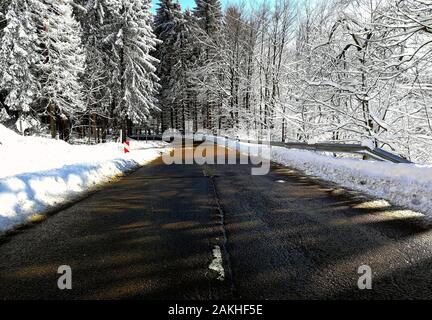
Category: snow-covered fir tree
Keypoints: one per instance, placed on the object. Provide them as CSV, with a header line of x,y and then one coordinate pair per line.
x,y
183,90
4,5
98,80
133,43
19,56
168,28
209,14
209,74
60,40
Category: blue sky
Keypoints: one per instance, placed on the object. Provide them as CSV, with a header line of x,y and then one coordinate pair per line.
x,y
191,3
184,3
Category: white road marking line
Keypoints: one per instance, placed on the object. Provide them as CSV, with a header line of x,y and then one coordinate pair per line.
x,y
217,264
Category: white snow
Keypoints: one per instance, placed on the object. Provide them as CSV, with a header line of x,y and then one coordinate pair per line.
x,y
38,173
406,185
368,143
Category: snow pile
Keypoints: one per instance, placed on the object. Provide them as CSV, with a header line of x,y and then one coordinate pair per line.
x,y
407,185
39,173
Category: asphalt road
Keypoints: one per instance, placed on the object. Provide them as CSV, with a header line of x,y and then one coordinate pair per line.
x,y
152,235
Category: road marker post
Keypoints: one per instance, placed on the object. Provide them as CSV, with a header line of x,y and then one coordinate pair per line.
x,y
126,146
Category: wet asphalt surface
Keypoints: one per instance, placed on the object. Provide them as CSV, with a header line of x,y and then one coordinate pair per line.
x,y
151,235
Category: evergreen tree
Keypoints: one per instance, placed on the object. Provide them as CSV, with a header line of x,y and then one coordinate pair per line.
x,y
60,38
4,5
3,10
168,24
19,56
133,79
209,14
98,80
209,73
183,84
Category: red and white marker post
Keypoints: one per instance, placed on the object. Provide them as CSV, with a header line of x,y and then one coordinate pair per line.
x,y
126,146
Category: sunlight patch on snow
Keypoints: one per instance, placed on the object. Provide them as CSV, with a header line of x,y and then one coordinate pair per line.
x,y
388,215
404,214
35,218
374,204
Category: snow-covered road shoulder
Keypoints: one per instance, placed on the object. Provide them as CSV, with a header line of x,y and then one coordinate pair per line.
x,y
406,185
39,174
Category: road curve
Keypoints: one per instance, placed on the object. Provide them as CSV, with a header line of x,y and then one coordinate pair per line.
x,y
153,235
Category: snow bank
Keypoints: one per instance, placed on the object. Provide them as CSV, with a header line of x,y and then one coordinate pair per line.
x,y
38,173
407,185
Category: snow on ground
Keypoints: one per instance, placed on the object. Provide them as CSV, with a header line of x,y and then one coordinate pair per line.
x,y
37,174
407,185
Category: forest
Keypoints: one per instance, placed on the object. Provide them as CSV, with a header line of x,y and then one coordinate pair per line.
x,y
340,71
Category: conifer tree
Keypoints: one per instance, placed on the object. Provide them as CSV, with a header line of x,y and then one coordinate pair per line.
x,y
209,73
168,24
133,77
19,56
63,63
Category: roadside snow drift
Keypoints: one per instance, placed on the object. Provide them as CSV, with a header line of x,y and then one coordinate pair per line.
x,y
407,185
38,173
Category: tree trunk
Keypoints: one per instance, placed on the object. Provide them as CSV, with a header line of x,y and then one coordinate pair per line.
x,y
52,121
94,127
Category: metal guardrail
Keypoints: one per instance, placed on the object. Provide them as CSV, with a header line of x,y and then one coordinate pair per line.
x,y
144,137
376,153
